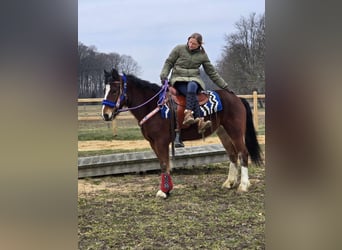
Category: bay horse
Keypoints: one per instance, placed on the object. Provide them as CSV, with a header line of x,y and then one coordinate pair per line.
x,y
233,125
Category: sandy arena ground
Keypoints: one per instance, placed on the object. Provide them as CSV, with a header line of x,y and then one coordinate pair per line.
x,y
140,144
135,144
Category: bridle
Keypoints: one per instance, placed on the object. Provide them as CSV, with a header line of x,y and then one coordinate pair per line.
x,y
123,96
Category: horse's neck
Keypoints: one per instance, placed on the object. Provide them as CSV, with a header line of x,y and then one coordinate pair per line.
x,y
138,98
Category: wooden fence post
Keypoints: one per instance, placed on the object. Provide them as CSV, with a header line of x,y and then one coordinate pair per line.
x,y
255,110
114,126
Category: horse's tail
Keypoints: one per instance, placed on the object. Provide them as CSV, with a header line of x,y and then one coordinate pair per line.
x,y
251,140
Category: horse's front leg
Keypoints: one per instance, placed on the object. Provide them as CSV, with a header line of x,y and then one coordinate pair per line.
x,y
166,184
162,152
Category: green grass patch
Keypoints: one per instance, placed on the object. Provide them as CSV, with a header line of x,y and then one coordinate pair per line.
x,y
261,129
109,151
107,134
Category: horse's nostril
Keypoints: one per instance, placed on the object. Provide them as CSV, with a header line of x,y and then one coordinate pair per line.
x,y
106,116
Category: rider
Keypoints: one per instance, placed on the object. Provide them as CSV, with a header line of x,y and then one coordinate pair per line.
x,y
185,61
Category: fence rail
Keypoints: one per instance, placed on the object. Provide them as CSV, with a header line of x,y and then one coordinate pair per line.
x,y
86,114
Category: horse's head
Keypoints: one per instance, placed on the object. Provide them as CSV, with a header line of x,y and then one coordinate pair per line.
x,y
114,94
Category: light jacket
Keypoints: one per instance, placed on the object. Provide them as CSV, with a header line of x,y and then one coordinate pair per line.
x,y
185,66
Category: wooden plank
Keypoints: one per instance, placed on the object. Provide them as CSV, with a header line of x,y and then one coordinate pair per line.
x,y
145,161
82,100
90,118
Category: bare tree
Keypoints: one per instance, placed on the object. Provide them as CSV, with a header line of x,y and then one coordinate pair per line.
x,y
242,60
114,60
128,65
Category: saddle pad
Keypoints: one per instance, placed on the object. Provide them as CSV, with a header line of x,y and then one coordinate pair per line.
x,y
213,105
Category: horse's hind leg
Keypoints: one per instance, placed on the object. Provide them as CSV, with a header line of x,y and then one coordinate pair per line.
x,y
232,180
236,150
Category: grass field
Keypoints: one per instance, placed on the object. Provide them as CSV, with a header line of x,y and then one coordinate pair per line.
x,y
122,212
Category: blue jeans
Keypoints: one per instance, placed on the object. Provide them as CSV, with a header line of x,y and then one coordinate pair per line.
x,y
189,90
187,87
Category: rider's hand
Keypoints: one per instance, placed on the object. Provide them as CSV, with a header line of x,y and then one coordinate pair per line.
x,y
163,81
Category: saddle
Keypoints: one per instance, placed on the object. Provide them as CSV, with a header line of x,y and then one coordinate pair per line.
x,y
180,100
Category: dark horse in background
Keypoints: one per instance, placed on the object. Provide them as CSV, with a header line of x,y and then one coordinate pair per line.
x,y
233,125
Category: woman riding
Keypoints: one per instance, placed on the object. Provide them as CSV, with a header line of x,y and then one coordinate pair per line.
x,y
185,61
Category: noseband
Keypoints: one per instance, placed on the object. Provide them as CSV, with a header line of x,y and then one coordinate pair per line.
x,y
122,96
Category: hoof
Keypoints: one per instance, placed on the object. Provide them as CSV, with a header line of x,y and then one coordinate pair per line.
x,y
229,184
161,194
243,188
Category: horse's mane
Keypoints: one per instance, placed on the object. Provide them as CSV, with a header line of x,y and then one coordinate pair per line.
x,y
143,84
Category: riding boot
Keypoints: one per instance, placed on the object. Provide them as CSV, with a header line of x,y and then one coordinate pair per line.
x,y
188,117
191,101
203,125
178,140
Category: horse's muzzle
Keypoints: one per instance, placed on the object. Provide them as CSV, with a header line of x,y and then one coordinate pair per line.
x,y
107,117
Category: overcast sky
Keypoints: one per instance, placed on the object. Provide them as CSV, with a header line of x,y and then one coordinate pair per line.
x,y
147,30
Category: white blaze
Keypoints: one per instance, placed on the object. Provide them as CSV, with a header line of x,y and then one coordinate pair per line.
x,y
106,94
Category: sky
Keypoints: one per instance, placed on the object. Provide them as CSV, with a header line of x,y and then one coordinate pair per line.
x,y
148,30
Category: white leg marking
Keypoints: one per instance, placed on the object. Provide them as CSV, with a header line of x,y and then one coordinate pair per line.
x,y
243,187
232,176
161,194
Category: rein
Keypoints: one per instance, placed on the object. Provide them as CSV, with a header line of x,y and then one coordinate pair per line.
x,y
159,103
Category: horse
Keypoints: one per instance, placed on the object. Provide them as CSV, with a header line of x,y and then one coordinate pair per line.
x,y
233,125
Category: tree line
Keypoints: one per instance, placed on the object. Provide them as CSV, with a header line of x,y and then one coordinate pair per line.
x,y
91,65
241,63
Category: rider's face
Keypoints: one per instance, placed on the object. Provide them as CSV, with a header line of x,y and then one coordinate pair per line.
x,y
193,44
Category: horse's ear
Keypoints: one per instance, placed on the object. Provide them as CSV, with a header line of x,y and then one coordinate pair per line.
x,y
105,72
115,74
